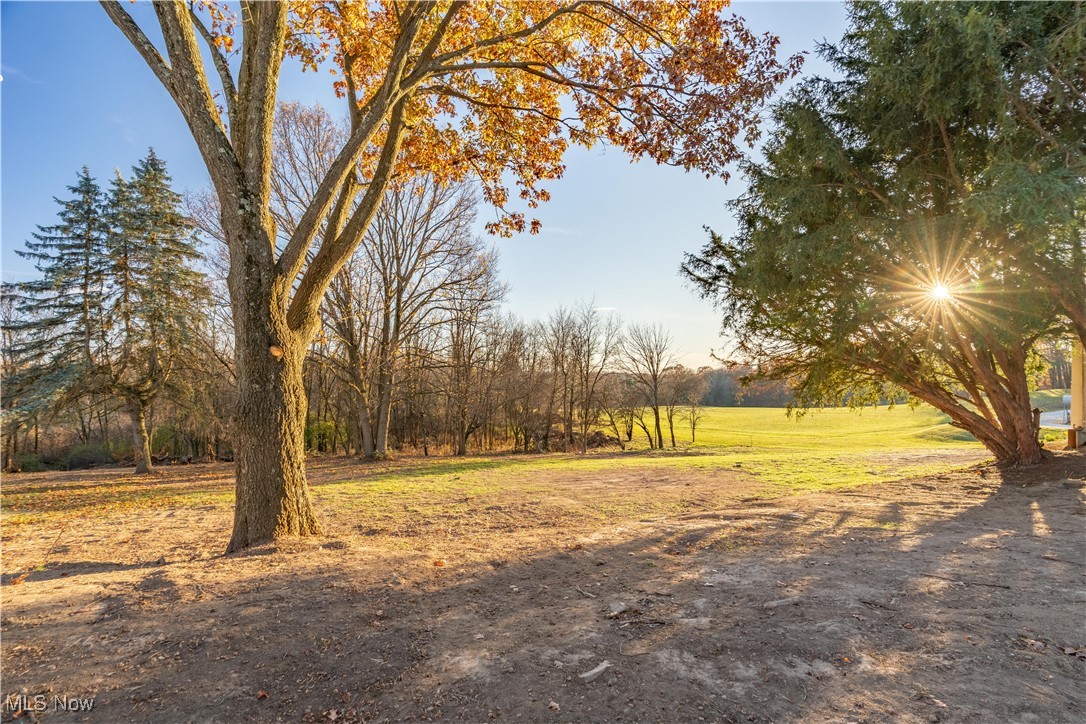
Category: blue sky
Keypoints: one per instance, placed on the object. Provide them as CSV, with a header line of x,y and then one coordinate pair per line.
x,y
74,92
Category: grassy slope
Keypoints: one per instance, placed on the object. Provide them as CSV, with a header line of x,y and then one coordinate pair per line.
x,y
823,449
1049,400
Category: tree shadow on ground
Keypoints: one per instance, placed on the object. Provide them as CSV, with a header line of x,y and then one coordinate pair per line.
x,y
70,569
892,602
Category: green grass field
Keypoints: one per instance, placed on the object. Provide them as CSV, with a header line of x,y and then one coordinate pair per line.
x,y
820,450
823,449
1049,400
878,428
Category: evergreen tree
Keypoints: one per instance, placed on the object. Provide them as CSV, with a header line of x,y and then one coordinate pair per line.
x,y
918,225
61,328
156,295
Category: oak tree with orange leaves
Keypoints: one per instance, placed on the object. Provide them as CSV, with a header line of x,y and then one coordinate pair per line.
x,y
485,90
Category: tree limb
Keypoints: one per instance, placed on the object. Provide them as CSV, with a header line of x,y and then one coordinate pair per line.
x,y
131,30
230,92
330,257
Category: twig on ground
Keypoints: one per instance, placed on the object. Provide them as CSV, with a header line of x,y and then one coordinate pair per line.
x,y
876,604
586,593
968,583
201,589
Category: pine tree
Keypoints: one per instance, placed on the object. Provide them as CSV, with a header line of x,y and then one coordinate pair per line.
x,y
62,328
156,294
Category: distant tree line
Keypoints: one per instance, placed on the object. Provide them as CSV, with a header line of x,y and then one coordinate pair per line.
x,y
123,347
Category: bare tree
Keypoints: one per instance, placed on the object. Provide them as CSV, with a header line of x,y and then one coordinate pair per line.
x,y
560,403
503,76
679,387
421,248
594,342
694,411
647,352
415,263
619,402
526,387
471,335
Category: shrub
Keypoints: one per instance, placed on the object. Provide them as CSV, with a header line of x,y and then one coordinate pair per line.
x,y
86,456
30,463
1053,435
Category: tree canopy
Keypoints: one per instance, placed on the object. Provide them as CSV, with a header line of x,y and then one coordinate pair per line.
x,y
919,223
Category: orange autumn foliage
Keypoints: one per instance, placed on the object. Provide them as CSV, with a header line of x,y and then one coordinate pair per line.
x,y
499,91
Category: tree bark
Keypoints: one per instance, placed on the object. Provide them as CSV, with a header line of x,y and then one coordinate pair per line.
x,y
11,448
142,438
1012,439
463,432
363,433
384,413
364,430
659,430
273,498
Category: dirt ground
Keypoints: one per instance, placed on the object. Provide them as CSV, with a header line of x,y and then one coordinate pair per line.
x,y
959,598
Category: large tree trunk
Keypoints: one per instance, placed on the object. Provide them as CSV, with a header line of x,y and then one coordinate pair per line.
x,y
463,432
1015,443
364,431
142,438
272,499
385,381
1011,436
11,448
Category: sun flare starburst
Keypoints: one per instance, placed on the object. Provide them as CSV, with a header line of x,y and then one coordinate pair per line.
x,y
940,292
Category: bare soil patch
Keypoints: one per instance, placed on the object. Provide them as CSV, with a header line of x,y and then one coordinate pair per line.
x,y
957,597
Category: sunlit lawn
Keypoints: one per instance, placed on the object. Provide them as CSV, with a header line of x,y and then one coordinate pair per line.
x,y
820,450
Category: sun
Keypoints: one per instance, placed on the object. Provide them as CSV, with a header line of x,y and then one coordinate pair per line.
x,y
940,293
